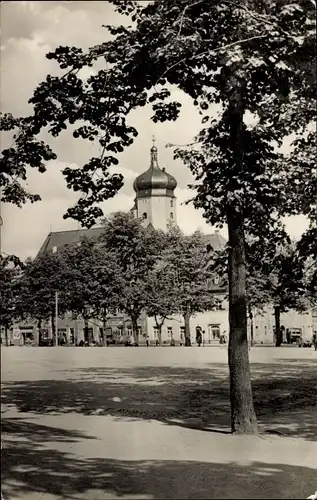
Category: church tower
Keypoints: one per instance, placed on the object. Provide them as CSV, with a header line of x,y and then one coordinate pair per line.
x,y
155,202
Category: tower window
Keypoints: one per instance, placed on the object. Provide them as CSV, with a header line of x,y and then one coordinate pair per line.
x,y
144,215
171,215
171,202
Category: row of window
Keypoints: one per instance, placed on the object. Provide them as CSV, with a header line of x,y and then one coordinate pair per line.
x,y
144,215
213,332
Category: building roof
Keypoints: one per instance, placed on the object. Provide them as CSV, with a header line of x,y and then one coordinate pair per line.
x,y
215,240
62,238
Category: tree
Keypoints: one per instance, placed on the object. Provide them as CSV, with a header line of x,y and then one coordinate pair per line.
x,y
37,286
278,276
187,258
302,165
108,294
241,55
25,152
136,251
93,281
280,272
162,294
94,278
10,268
286,285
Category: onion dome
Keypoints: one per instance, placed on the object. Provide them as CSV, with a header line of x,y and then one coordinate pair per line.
x,y
154,178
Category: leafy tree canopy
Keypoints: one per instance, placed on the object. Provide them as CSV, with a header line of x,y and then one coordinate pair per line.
x,y
135,251
208,50
36,287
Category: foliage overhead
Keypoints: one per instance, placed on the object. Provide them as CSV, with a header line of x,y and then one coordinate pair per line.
x,y
264,49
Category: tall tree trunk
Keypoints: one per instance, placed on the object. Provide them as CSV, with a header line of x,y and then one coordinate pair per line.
x,y
243,418
135,330
160,334
159,327
251,324
86,334
278,331
188,342
53,329
6,336
38,332
104,326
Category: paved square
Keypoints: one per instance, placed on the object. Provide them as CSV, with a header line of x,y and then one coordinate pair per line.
x,y
149,423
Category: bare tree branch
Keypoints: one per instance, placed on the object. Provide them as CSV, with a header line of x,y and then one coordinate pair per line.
x,y
183,14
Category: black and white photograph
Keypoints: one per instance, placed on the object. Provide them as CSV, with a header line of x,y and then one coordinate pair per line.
x,y
158,237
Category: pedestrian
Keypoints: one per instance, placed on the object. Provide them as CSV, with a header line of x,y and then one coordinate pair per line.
x,y
222,340
315,341
198,336
147,341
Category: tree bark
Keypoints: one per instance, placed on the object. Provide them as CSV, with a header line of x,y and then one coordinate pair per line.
x,y
159,327
86,333
243,418
160,334
6,336
187,327
104,326
135,331
38,332
278,332
251,325
53,329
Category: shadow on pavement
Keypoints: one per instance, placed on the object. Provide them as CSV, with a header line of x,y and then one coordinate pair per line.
x,y
285,396
29,466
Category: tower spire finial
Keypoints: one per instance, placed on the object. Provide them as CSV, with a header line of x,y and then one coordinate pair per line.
x,y
154,162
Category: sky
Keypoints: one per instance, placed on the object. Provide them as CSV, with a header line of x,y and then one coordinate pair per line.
x,y
29,30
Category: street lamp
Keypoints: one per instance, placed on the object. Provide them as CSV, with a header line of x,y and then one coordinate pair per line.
x,y
56,319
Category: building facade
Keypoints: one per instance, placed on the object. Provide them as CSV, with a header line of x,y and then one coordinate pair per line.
x,y
155,204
